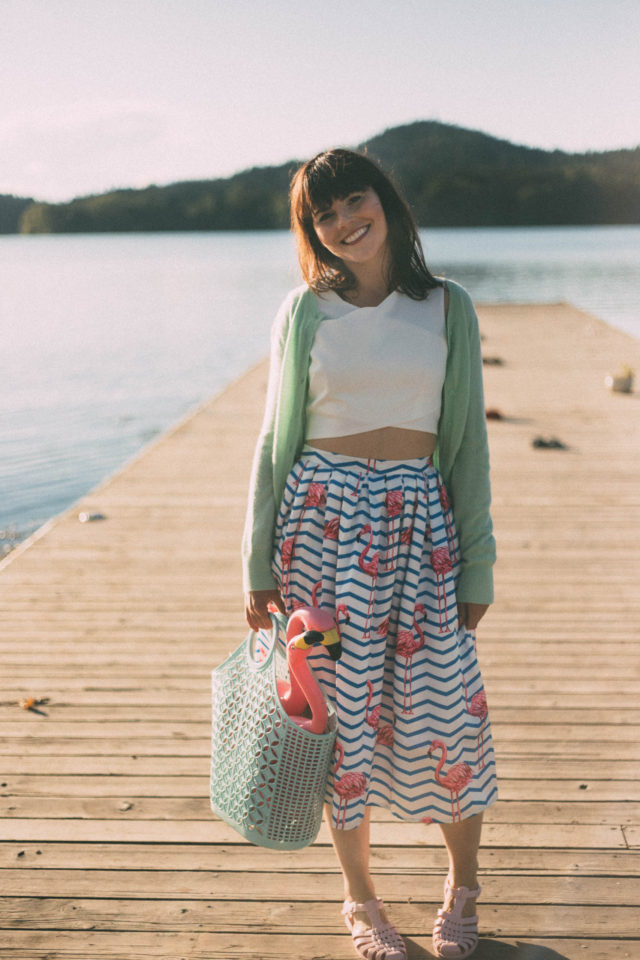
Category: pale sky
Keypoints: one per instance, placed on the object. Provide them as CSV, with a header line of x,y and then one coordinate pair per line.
x,y
97,94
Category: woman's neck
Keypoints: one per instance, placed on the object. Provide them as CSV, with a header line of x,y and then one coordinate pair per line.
x,y
372,286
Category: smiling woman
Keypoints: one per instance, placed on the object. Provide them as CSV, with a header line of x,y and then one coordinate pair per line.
x,y
376,367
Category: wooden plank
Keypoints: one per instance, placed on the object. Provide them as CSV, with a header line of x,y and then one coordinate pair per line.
x,y
184,809
32,727
603,836
525,768
105,704
172,714
133,945
85,785
273,916
233,885
632,836
187,747
195,857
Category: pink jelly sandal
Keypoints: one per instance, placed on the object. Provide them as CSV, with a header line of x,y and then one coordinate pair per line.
x,y
380,941
455,936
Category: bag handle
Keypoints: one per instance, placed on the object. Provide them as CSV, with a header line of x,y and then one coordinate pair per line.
x,y
278,627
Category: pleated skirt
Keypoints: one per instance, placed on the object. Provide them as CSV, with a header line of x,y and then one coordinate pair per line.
x,y
374,542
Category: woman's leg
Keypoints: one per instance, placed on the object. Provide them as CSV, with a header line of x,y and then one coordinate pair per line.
x,y
462,840
352,849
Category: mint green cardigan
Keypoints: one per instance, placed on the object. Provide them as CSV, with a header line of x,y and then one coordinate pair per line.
x,y
461,455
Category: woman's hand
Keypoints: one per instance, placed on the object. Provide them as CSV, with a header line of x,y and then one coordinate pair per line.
x,y
470,614
255,607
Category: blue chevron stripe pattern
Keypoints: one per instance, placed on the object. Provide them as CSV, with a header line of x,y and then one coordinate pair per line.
x,y
375,543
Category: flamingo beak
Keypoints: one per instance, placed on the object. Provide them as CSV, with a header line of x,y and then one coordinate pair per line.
x,y
311,638
331,640
307,640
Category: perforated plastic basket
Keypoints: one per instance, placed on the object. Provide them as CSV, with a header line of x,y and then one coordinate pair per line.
x,y
268,775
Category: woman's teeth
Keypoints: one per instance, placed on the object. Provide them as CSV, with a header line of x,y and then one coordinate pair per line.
x,y
353,237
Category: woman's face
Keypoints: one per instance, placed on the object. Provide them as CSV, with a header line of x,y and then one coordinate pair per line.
x,y
353,228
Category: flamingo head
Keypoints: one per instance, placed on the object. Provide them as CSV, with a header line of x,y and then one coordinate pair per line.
x,y
365,530
309,618
434,745
311,638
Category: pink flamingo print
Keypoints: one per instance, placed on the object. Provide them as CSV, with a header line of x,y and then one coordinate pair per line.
x,y
332,529
455,780
314,594
370,463
370,567
394,501
406,647
385,734
445,503
441,563
406,534
383,628
286,557
342,611
316,496
348,787
477,708
373,717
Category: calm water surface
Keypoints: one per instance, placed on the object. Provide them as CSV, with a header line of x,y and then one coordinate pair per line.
x,y
109,339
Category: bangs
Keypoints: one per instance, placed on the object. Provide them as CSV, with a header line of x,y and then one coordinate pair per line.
x,y
333,178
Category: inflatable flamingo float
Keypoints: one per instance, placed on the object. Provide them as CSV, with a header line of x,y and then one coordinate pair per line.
x,y
307,627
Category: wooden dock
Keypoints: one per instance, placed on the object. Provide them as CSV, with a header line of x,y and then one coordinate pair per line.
x,y
108,848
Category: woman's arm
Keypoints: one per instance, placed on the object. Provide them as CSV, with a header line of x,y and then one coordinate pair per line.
x,y
469,614
468,471
257,540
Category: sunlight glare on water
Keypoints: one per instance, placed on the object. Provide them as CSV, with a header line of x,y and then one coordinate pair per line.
x,y
111,338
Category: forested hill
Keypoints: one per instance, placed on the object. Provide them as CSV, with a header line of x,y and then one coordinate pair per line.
x,y
452,177
11,210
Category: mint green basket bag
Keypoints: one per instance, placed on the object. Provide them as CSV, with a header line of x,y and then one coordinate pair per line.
x,y
268,775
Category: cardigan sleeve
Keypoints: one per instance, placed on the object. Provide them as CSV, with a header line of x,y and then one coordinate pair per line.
x,y
469,484
257,539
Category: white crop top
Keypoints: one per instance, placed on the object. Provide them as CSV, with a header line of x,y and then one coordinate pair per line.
x,y
378,366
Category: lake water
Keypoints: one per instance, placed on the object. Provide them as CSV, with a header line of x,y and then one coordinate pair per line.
x,y
107,340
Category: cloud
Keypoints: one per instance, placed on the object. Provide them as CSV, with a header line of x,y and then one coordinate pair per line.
x,y
80,147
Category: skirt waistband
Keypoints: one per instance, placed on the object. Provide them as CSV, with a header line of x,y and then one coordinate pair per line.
x,y
371,465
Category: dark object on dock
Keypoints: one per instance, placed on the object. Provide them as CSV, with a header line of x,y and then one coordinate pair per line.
x,y
34,703
493,414
548,443
493,361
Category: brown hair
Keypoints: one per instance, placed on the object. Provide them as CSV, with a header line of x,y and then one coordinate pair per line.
x,y
333,175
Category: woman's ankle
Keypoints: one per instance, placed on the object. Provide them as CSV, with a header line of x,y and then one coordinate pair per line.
x,y
464,879
360,892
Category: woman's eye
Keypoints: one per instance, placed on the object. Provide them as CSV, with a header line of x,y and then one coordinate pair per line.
x,y
323,217
355,197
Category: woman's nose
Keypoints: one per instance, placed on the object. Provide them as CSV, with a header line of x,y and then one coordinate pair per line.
x,y
343,216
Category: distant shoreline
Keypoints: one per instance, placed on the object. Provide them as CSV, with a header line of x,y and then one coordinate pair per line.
x,y
451,176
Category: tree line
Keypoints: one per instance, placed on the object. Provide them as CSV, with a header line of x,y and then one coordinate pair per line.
x,y
450,175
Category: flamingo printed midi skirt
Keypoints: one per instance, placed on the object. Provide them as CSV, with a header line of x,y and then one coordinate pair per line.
x,y
375,543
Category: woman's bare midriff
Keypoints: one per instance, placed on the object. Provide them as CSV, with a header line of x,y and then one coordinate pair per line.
x,y
387,443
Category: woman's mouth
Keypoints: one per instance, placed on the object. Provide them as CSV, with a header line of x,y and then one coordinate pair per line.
x,y
356,235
